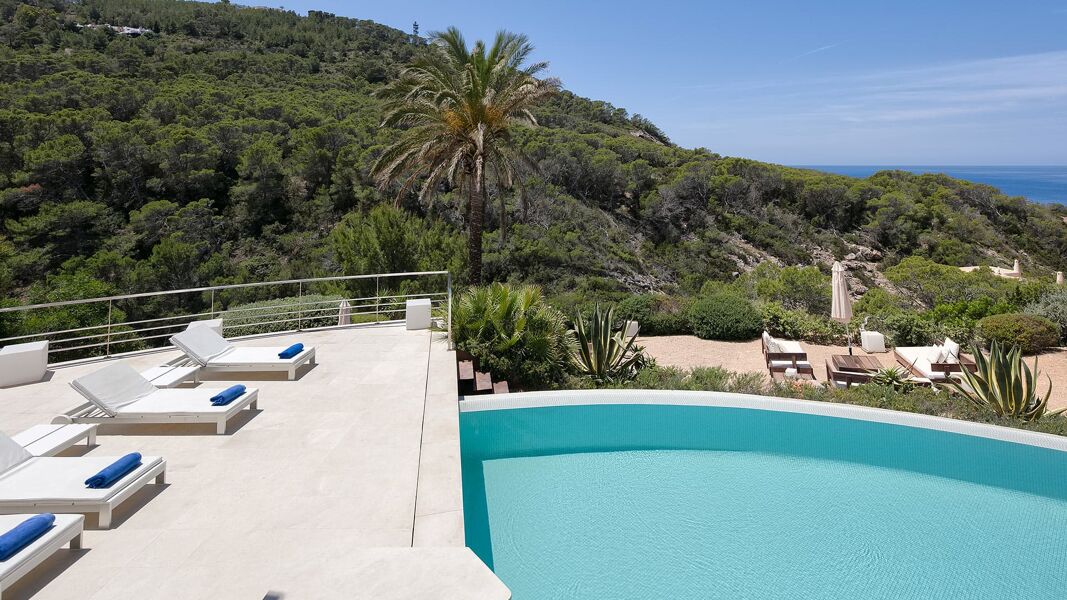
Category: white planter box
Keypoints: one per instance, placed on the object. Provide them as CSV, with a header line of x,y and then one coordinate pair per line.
x,y
418,314
212,324
872,342
23,363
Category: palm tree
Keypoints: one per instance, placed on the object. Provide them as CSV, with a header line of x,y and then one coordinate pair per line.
x,y
457,106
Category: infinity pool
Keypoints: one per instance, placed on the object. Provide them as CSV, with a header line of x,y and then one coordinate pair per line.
x,y
666,501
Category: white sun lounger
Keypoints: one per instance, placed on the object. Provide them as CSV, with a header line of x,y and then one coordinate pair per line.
x,y
934,363
66,529
214,353
118,394
56,484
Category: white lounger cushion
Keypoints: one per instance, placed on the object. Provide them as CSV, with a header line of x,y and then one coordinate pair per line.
x,y
777,346
788,364
114,387
195,401
65,528
256,356
919,358
202,344
789,347
62,479
12,453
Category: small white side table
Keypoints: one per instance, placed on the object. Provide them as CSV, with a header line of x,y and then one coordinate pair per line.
x,y
23,363
212,324
418,314
872,342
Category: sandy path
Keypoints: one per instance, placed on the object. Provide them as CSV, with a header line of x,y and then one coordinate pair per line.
x,y
685,351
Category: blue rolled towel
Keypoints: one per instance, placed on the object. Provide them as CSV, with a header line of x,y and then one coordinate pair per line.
x,y
291,351
24,533
114,472
228,395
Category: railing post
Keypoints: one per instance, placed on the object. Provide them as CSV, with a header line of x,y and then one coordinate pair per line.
x,y
300,299
107,346
450,347
213,304
377,300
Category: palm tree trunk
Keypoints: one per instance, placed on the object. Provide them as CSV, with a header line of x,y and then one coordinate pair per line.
x,y
476,224
503,220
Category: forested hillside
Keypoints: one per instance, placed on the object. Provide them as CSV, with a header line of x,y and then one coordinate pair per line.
x,y
234,144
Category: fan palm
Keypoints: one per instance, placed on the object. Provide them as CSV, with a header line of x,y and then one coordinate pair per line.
x,y
457,105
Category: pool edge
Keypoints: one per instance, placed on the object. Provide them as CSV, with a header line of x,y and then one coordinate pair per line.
x,y
754,402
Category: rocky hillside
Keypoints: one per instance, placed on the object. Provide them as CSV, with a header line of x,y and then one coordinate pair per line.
x,y
233,144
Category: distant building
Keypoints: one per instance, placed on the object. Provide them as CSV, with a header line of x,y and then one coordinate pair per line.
x,y
1016,272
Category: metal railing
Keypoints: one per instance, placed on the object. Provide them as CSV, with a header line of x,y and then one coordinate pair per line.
x,y
130,323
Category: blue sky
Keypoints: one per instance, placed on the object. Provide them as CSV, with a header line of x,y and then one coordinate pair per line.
x,y
814,82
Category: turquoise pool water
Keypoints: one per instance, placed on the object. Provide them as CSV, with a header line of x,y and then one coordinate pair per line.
x,y
654,501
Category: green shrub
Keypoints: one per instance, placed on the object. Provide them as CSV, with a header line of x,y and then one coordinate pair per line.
x,y
1030,332
877,301
1052,306
796,288
657,314
907,329
252,318
638,307
513,333
725,316
801,325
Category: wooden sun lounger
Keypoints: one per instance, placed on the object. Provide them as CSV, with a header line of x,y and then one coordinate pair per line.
x,y
779,362
937,367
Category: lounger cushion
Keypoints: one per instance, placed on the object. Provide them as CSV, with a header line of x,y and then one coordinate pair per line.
x,y
179,402
790,347
918,357
202,344
251,355
113,387
952,350
770,343
12,453
65,524
784,364
62,479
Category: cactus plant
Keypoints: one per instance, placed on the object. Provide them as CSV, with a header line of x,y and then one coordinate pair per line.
x,y
601,351
896,377
1004,383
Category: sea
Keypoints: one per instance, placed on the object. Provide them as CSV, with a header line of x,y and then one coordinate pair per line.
x,y
1046,184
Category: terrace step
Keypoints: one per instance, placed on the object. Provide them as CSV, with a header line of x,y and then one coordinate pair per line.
x,y
466,370
483,382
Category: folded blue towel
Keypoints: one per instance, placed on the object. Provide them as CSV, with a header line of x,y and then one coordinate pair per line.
x,y
291,351
228,395
24,533
114,472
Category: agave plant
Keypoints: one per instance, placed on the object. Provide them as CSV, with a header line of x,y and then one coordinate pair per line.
x,y
1004,383
601,351
896,377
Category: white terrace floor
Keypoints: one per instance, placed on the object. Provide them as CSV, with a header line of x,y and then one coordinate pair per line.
x,y
344,484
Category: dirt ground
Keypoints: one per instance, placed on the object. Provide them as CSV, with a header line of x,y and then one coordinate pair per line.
x,y
685,351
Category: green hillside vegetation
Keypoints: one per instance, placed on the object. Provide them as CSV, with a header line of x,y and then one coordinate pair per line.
x,y
236,145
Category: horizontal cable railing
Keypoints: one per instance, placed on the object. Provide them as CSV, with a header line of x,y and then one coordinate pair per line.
x,y
100,327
